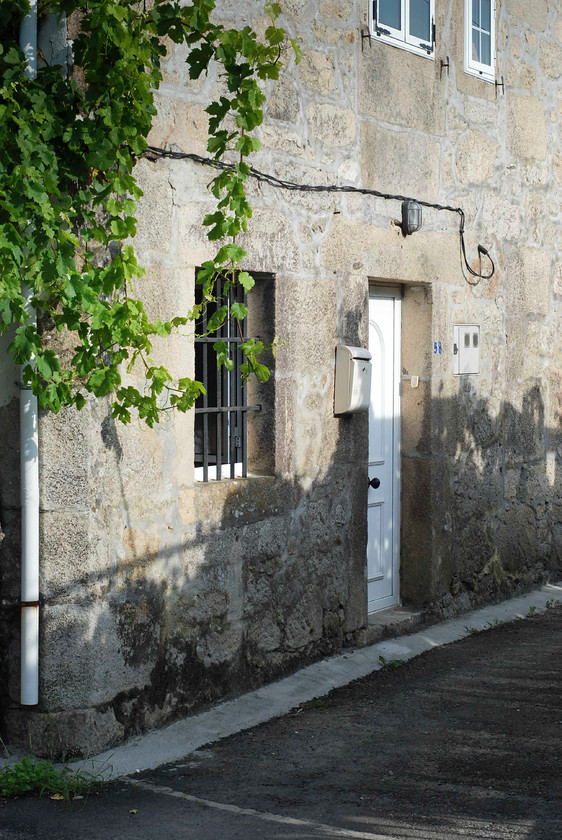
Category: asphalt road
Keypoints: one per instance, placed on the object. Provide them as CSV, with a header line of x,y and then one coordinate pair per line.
x,y
461,742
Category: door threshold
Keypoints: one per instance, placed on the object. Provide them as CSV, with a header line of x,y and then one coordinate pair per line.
x,y
393,621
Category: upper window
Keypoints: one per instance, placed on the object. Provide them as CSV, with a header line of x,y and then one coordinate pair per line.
x,y
409,24
479,38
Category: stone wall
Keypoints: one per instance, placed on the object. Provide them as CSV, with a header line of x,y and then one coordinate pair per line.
x,y
160,593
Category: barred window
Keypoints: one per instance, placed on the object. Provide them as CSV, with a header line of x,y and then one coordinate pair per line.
x,y
224,414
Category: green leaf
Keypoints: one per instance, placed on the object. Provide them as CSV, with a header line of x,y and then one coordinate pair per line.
x,y
219,223
79,401
297,50
246,280
251,347
239,311
273,10
43,367
247,144
221,350
217,319
103,381
231,252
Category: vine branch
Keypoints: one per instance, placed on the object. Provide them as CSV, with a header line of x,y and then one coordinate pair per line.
x,y
68,194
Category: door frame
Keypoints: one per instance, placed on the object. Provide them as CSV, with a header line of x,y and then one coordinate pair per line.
x,y
396,292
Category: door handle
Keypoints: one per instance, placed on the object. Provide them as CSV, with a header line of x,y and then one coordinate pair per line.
x,y
375,483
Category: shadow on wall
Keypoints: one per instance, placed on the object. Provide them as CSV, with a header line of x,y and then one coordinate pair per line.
x,y
272,574
482,500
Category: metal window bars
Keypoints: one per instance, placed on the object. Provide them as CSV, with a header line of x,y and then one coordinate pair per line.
x,y
221,414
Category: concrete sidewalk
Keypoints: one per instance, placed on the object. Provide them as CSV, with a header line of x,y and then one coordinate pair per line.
x,y
464,740
174,742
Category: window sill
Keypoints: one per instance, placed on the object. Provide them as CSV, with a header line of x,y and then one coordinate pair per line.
x,y
478,74
236,502
212,473
226,479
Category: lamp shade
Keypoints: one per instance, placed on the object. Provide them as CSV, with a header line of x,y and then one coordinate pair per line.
x,y
411,216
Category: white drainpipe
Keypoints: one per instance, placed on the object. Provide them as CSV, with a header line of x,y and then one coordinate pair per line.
x,y
29,447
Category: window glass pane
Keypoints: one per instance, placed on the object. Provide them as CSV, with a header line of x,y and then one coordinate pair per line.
x,y
476,12
390,13
485,19
476,45
419,19
485,54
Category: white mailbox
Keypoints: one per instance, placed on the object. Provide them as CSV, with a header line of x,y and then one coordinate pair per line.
x,y
466,349
353,380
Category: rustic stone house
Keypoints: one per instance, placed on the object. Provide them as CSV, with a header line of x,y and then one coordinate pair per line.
x,y
165,587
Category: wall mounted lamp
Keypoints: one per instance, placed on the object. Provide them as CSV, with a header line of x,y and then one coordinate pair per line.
x,y
411,216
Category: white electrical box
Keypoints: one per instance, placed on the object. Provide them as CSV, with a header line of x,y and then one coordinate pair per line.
x,y
353,380
466,349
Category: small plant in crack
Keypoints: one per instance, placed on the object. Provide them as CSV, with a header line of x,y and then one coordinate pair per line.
x,y
497,622
317,703
390,663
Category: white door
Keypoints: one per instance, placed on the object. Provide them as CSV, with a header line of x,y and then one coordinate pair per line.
x,y
383,502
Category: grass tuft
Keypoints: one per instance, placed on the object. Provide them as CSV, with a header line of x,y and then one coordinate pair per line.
x,y
33,777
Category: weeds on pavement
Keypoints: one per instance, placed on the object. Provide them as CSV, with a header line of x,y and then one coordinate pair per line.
x,y
34,777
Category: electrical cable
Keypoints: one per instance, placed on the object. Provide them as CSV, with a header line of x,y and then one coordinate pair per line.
x,y
154,152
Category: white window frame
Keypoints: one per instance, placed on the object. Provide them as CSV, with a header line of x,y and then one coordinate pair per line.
x,y
400,37
487,72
